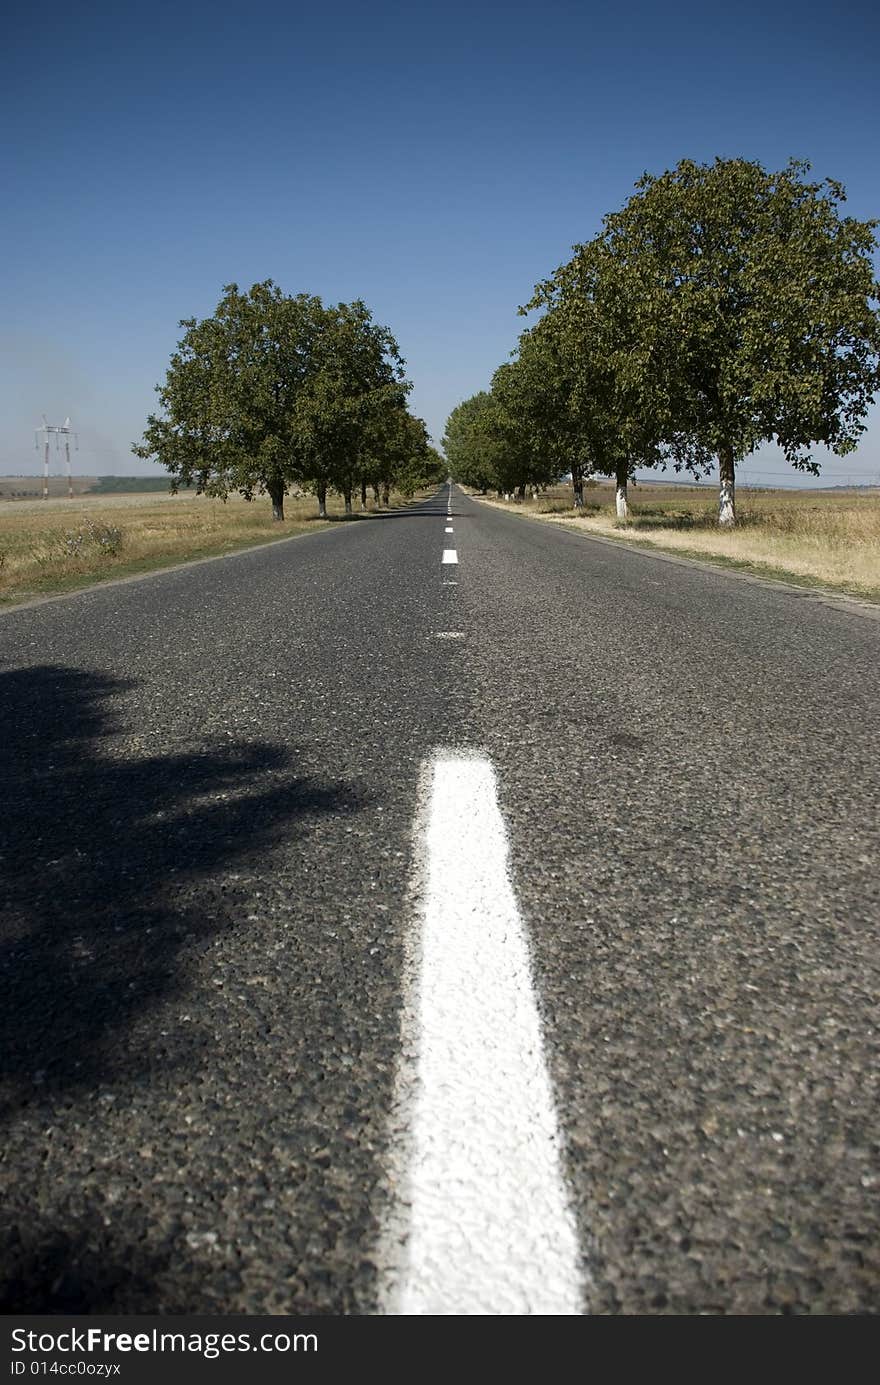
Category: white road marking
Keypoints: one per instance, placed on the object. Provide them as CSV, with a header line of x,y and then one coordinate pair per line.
x,y
448,529
449,634
482,1225
450,555
449,584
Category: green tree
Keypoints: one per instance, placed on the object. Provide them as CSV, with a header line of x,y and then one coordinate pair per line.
x,y
746,299
228,415
394,453
435,469
273,390
472,450
539,395
528,451
415,464
596,392
357,376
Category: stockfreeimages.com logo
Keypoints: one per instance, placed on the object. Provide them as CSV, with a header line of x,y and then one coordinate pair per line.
x,y
207,1344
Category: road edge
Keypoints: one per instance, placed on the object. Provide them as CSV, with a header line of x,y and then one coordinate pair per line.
x,y
825,596
103,583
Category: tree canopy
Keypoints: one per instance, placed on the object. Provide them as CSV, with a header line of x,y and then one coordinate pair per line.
x,y
722,307
275,390
734,307
472,450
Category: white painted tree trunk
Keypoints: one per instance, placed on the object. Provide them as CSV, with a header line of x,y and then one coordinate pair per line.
x,y
622,507
726,504
726,489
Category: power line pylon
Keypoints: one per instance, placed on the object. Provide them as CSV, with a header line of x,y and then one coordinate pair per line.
x,y
58,431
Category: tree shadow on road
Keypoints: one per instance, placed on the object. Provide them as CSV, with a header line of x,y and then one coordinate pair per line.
x,y
86,1267
423,513
112,863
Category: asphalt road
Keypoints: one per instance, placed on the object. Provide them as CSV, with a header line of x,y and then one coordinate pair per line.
x,y
210,778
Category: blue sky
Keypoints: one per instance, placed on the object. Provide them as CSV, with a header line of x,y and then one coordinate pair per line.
x,y
434,159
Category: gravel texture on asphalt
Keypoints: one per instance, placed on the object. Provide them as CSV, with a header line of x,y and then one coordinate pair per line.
x,y
209,782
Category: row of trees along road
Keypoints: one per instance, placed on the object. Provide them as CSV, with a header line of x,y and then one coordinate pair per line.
x,y
721,308
276,391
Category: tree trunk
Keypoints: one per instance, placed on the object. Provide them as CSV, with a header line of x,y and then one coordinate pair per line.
x,y
577,485
622,478
727,488
276,495
386,494
322,502
520,492
346,495
376,494
363,495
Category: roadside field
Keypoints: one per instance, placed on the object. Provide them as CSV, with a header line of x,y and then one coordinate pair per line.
x,y
828,538
24,488
59,545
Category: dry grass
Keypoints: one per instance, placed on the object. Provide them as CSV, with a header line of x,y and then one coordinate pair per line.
x,y
58,545
824,537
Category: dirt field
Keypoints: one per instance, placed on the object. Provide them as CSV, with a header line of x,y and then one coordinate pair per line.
x,y
58,544
21,489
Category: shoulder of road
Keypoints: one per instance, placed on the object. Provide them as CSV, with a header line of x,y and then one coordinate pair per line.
x,y
806,588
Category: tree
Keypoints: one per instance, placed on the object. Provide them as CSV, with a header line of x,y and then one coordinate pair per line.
x,y
526,421
228,402
543,401
747,299
273,390
357,377
411,464
394,452
597,392
497,425
472,450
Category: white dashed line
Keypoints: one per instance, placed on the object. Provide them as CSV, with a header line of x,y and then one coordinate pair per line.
x,y
448,634
483,1225
448,529
450,555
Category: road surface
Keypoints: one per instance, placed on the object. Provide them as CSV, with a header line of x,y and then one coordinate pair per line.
x,y
348,892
